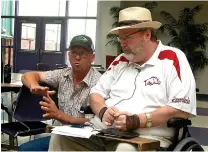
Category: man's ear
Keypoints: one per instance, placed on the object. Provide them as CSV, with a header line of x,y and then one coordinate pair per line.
x,y
93,58
148,34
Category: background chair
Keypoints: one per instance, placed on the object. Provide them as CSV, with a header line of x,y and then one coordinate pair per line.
x,y
43,67
60,66
28,115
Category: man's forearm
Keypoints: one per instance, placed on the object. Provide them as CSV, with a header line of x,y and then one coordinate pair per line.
x,y
97,102
30,78
162,115
65,119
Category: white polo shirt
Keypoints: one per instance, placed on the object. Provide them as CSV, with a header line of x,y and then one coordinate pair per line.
x,y
165,79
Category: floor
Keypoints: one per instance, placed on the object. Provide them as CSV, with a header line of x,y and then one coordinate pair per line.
x,y
198,130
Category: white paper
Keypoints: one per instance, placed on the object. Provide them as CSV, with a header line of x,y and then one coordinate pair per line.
x,y
84,132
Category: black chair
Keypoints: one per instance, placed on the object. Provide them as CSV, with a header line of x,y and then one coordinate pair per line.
x,y
185,143
61,66
24,71
43,67
27,114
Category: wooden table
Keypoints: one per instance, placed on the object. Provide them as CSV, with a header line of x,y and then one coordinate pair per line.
x,y
143,144
8,87
13,85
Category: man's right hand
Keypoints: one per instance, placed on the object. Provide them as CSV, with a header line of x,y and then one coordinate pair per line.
x,y
108,117
37,89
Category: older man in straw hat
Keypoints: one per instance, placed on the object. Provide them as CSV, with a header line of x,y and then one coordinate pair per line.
x,y
143,87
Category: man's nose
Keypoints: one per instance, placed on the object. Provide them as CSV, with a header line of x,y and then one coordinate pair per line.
x,y
78,57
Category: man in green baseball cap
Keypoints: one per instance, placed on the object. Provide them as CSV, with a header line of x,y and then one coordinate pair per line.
x,y
81,53
73,85
82,40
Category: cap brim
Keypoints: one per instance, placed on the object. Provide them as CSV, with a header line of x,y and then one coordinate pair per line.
x,y
77,44
151,24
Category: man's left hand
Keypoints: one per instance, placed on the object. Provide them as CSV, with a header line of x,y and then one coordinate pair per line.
x,y
120,122
49,107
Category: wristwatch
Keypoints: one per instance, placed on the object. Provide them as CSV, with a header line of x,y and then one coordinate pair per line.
x,y
149,120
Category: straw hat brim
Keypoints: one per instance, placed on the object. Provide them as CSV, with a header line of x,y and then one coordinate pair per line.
x,y
150,24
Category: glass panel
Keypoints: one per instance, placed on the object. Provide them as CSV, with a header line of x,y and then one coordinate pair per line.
x,y
81,26
28,36
42,7
7,26
52,37
6,51
92,8
7,7
87,8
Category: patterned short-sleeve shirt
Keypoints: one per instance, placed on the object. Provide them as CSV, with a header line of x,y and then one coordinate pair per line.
x,y
71,99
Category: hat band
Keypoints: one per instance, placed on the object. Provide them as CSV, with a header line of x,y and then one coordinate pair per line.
x,y
131,22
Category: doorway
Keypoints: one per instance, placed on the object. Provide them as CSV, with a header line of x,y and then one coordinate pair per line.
x,y
39,40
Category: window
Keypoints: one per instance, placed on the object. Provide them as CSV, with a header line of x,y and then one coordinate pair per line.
x,y
42,7
52,37
87,26
86,8
7,7
28,36
81,26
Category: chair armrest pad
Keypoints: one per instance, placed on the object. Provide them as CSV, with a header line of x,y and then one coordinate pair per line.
x,y
178,122
87,110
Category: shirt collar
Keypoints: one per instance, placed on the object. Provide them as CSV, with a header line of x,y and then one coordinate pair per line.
x,y
154,58
86,79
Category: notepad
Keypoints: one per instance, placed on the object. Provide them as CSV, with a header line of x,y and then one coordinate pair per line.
x,y
84,132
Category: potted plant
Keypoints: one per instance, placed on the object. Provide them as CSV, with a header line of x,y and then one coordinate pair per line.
x,y
187,35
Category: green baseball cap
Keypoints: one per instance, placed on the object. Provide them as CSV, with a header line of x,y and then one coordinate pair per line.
x,y
84,41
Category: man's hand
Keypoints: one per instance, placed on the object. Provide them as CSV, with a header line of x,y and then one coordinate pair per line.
x,y
120,122
50,108
108,117
126,121
37,89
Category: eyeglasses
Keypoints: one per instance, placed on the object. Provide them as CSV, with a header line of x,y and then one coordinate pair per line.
x,y
127,37
82,54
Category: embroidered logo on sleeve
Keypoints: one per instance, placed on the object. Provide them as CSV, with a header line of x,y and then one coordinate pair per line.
x,y
151,81
183,100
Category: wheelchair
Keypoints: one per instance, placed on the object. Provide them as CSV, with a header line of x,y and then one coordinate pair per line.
x,y
184,143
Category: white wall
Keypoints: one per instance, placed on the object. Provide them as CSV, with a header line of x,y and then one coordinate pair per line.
x,y
174,7
104,25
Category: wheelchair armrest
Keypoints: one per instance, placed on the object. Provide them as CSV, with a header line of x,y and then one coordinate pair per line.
x,y
87,110
178,123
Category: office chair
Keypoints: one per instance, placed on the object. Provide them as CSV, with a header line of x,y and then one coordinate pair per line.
x,y
28,115
60,66
43,67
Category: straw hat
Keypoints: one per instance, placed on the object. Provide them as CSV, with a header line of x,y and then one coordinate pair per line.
x,y
139,17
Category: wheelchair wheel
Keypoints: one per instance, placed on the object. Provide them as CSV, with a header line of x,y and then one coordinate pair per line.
x,y
188,144
195,147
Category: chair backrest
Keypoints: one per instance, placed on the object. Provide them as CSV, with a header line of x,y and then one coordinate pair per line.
x,y
27,107
60,66
43,67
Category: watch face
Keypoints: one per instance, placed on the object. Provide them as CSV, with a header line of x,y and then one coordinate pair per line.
x,y
149,124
